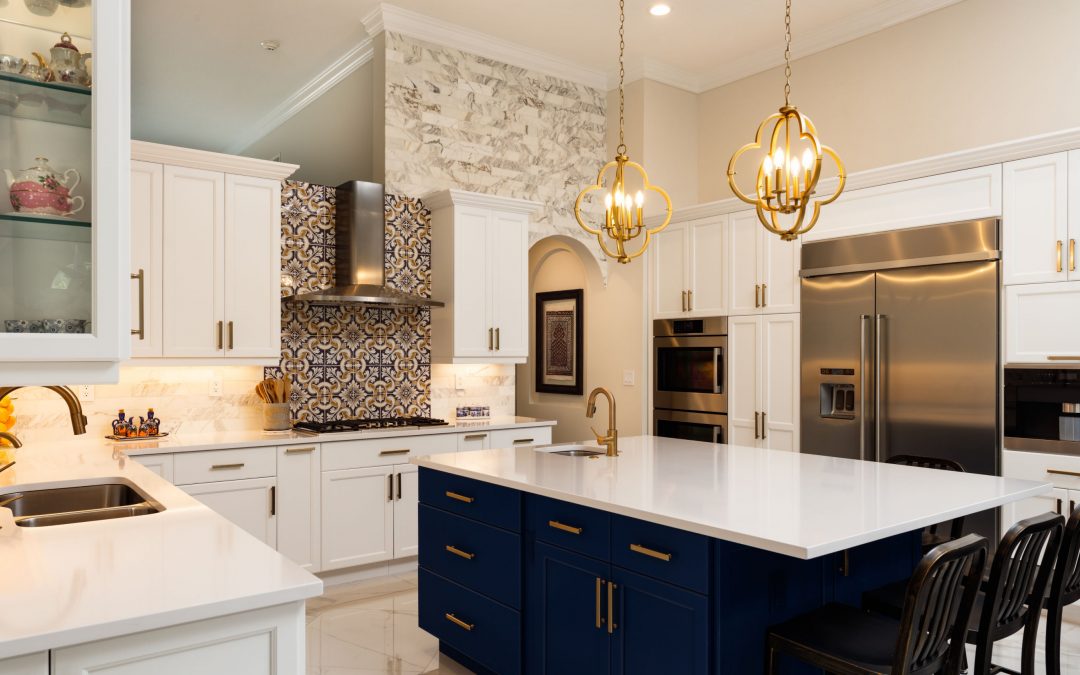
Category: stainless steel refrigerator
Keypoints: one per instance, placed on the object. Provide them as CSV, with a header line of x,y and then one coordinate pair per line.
x,y
901,347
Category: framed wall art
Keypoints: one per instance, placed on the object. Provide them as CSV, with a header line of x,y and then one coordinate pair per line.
x,y
559,342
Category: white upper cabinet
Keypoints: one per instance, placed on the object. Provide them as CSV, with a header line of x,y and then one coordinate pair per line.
x,y
1073,255
764,269
1042,323
479,268
64,265
1037,241
688,269
207,235
763,381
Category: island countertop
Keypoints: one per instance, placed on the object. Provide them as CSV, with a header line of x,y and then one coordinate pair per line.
x,y
795,504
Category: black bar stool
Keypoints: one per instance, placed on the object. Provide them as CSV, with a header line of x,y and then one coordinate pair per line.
x,y
927,639
934,534
1064,590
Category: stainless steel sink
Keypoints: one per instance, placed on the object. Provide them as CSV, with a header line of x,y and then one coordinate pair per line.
x,y
59,506
571,450
577,452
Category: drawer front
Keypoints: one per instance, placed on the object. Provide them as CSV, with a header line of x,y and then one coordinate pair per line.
x,y
217,465
480,557
473,440
382,451
474,499
674,556
574,527
478,627
1061,470
508,438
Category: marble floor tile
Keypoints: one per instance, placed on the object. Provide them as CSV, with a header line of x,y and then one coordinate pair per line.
x,y
370,628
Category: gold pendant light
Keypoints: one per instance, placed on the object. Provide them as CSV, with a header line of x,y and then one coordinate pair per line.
x,y
624,218
788,174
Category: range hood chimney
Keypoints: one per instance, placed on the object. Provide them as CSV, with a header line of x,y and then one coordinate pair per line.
x,y
360,273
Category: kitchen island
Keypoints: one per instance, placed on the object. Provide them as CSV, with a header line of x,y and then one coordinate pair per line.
x,y
673,557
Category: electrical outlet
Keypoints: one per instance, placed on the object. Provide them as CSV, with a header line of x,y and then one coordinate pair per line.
x,y
85,392
216,386
459,382
628,378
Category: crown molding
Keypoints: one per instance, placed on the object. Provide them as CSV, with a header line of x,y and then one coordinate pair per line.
x,y
348,63
386,17
452,197
658,71
158,153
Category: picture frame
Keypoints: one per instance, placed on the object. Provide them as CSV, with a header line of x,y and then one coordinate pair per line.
x,y
560,340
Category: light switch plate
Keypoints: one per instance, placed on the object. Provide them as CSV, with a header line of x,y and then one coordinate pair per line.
x,y
85,392
459,382
216,386
628,378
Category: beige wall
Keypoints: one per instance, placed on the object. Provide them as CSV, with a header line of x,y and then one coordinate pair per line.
x,y
613,339
671,141
972,74
331,139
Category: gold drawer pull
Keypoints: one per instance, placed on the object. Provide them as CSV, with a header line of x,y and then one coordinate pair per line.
x,y
399,451
1058,357
458,622
215,467
299,451
638,548
565,528
460,498
459,553
1063,472
522,441
475,437
1059,255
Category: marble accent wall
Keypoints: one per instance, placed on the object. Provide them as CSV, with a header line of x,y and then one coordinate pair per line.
x,y
458,120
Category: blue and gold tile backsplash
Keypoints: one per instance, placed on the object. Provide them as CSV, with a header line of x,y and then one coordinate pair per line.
x,y
348,361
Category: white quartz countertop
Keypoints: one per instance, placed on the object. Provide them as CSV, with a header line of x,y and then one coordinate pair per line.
x,y
223,440
69,584
799,505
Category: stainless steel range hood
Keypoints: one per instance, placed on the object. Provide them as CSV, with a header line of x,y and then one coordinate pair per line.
x,y
360,275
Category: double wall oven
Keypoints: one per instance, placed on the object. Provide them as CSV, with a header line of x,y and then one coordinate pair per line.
x,y
689,385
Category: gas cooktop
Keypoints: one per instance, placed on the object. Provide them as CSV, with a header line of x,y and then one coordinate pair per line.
x,y
368,424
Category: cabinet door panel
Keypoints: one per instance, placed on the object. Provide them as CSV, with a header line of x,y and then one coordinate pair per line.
x,y
1034,219
146,231
561,612
659,628
708,255
779,274
1056,501
193,297
298,507
510,283
745,238
245,502
1041,323
406,505
780,381
744,342
472,313
1073,255
31,664
358,517
252,267
162,465
669,267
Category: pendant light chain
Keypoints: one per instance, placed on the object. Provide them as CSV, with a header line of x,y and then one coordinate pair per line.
x,y
787,53
622,75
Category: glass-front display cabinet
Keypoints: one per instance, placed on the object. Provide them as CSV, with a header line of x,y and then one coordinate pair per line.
x,y
64,199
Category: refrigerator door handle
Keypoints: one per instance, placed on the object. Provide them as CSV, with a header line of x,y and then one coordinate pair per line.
x,y
877,387
864,323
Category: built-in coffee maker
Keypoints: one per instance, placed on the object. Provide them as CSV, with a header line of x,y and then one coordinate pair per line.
x,y
1042,409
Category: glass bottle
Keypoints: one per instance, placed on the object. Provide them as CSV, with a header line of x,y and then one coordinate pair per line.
x,y
120,426
153,424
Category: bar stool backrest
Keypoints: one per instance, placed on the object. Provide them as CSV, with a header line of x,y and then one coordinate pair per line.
x,y
956,527
937,607
1065,587
1020,571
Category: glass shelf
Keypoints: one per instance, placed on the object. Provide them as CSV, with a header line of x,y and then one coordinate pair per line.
x,y
39,226
44,101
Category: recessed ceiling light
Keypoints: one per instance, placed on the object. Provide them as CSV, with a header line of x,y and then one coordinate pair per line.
x,y
270,45
660,9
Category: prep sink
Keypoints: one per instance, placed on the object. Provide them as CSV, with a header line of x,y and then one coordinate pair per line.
x,y
571,450
59,506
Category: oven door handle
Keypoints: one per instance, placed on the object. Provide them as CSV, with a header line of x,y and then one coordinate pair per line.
x,y
718,370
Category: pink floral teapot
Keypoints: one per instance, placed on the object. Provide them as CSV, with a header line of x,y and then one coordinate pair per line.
x,y
40,189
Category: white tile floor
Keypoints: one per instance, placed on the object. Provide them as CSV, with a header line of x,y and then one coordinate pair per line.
x,y
370,628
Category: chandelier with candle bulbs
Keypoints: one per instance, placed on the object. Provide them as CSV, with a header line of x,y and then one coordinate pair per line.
x,y
623,219
787,178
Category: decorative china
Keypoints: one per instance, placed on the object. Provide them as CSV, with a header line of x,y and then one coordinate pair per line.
x,y
66,64
11,64
80,326
41,189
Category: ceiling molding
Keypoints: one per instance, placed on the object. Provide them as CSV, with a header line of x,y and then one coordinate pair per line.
x,y
305,95
158,153
454,197
657,71
394,19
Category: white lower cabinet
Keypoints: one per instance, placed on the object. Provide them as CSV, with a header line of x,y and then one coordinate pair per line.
x,y
508,438
247,503
30,664
299,522
1061,470
1042,323
478,440
406,510
358,516
162,465
763,381
262,642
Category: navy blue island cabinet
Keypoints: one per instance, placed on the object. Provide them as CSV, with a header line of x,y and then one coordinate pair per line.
x,y
512,582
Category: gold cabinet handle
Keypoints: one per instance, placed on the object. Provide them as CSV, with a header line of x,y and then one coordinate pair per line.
x,y
638,548
522,441
599,619
1063,357
611,608
690,301
458,622
1072,255
756,420
565,528
684,301
299,451
757,295
763,425
498,344
389,487
459,497
459,553
231,332
217,467
475,437
141,330
491,339
220,335
764,301
1059,255
399,451
1063,472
